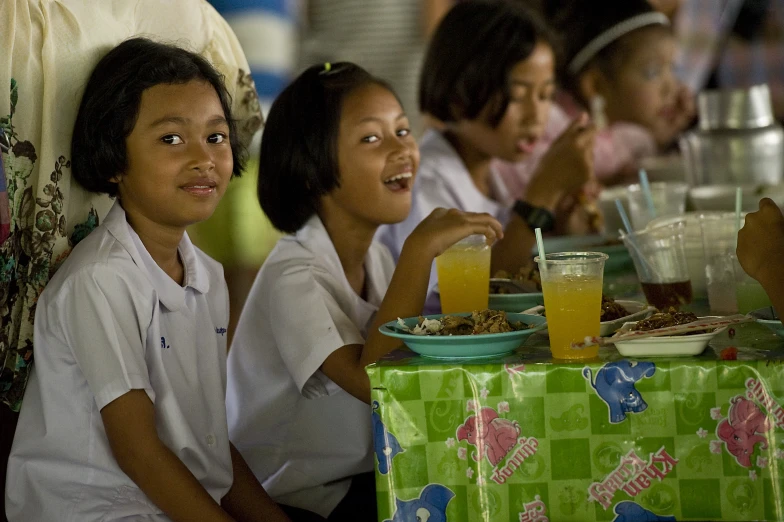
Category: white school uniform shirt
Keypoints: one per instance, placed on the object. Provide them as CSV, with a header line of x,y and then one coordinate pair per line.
x,y
444,181
110,321
302,435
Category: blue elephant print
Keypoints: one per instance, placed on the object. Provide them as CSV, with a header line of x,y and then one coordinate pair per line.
x,y
429,507
385,444
627,511
615,385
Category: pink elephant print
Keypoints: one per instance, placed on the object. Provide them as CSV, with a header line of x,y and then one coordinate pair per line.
x,y
492,436
743,428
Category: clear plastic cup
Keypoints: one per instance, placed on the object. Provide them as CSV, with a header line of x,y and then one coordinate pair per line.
x,y
464,275
612,220
749,292
572,291
660,261
669,199
719,237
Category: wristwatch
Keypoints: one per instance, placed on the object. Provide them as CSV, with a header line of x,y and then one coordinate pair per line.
x,y
535,217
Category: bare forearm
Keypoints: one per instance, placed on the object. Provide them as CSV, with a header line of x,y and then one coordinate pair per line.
x,y
170,484
514,250
433,11
247,501
405,297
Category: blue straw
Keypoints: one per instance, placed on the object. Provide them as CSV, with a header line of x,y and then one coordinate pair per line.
x,y
646,192
626,223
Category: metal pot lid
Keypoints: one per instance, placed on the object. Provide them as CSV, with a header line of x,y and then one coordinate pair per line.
x,y
749,108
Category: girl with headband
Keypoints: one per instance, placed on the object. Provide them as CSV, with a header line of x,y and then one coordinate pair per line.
x,y
618,63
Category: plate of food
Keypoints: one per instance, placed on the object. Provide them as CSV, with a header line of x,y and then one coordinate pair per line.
x,y
527,279
482,333
516,292
690,342
613,314
767,316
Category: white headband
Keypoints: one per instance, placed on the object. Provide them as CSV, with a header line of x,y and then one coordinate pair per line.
x,y
612,34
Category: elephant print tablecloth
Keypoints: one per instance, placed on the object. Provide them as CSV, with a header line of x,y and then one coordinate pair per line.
x,y
520,438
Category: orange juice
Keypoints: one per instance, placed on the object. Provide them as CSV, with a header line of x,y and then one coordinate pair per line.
x,y
464,276
572,304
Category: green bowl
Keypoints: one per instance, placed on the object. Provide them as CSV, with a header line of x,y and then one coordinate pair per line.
x,y
765,316
619,256
464,346
515,303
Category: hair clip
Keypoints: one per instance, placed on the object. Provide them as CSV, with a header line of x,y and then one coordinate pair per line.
x,y
329,70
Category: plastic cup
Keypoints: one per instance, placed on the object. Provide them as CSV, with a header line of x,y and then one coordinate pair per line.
x,y
612,220
719,237
572,291
669,199
464,275
660,261
749,293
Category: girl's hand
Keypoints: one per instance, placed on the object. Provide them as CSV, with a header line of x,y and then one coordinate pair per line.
x,y
445,227
761,243
565,167
684,113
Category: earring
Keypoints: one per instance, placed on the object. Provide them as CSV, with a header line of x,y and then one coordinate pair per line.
x,y
598,115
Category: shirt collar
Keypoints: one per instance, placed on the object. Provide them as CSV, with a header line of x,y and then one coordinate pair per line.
x,y
315,238
459,181
170,294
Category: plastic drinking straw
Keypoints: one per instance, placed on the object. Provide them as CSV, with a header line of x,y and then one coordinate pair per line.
x,y
624,217
540,246
738,202
646,192
643,262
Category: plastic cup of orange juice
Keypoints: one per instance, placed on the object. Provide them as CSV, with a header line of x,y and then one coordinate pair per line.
x,y
572,290
464,275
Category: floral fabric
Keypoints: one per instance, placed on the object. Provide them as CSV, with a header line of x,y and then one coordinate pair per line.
x,y
49,50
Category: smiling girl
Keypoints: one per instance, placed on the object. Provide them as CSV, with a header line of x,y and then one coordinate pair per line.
x,y
337,161
489,79
124,417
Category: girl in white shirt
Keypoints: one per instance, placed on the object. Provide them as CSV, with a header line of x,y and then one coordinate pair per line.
x,y
337,161
124,417
488,80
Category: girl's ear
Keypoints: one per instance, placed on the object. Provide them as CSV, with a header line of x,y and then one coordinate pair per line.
x,y
593,83
115,178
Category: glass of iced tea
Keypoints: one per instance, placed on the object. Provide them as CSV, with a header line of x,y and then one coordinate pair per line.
x,y
660,261
464,275
572,291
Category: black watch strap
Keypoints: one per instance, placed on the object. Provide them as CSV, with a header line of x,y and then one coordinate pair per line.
x,y
535,217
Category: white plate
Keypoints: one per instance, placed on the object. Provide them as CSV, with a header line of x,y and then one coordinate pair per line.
x,y
666,346
638,311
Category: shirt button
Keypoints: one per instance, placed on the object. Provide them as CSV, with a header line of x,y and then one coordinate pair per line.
x,y
211,440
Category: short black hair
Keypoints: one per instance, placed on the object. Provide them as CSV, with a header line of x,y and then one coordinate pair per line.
x,y
471,54
583,21
111,100
298,162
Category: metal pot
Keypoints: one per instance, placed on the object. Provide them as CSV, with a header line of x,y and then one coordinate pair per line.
x,y
738,140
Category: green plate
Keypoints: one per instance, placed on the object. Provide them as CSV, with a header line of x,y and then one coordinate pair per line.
x,y
766,317
619,257
464,346
515,303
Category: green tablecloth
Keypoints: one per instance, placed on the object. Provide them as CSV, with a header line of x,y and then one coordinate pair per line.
x,y
698,439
